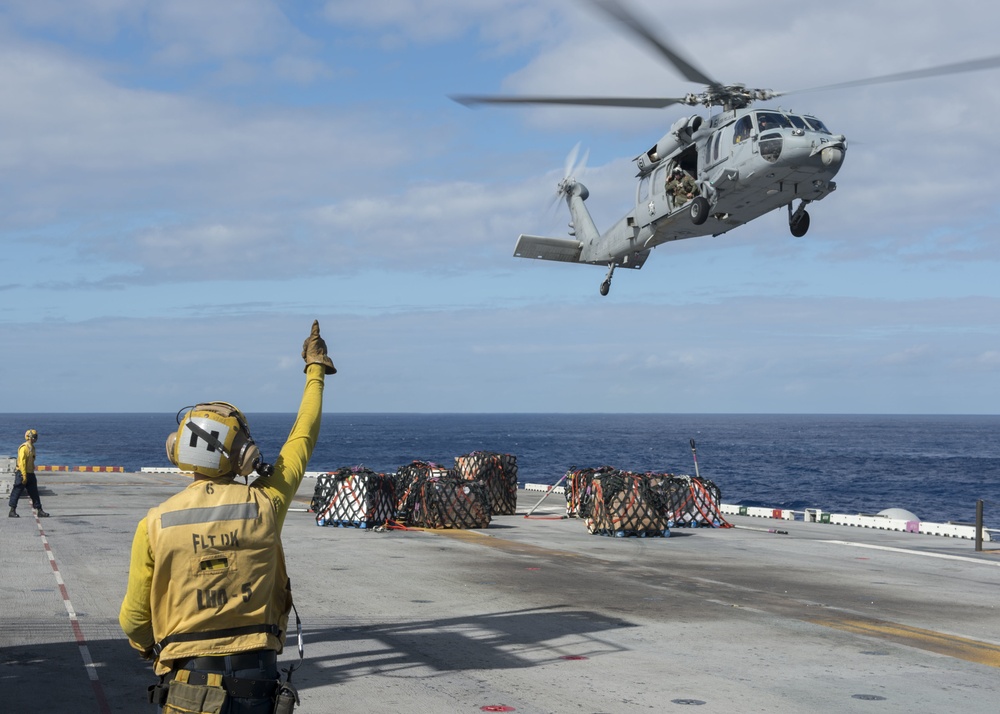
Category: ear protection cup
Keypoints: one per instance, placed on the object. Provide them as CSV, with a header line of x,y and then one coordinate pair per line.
x,y
171,452
244,454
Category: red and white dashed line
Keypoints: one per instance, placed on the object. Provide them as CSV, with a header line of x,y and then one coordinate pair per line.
x,y
81,641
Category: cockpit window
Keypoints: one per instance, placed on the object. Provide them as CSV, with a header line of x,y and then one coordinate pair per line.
x,y
817,125
772,120
798,122
742,130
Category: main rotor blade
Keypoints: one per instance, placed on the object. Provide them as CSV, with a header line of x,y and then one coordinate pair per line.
x,y
618,12
634,102
953,68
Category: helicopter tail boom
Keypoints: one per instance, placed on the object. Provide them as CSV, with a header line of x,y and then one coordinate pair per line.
x,y
582,225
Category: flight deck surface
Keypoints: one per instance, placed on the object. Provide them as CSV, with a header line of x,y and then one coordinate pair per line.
x,y
532,614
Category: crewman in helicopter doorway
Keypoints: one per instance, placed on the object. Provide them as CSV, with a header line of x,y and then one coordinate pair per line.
x,y
680,187
208,595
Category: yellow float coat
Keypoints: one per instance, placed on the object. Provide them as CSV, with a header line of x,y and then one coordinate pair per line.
x,y
209,559
26,458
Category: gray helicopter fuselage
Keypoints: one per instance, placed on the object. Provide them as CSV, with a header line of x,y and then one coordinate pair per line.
x,y
746,163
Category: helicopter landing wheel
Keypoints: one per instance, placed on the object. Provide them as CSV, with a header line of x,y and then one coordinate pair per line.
x,y
799,224
699,210
606,285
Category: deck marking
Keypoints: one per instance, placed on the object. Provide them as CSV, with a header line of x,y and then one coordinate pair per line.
x,y
939,642
945,556
928,640
81,640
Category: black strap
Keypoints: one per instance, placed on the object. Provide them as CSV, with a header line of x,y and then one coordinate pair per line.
x,y
220,663
213,634
157,693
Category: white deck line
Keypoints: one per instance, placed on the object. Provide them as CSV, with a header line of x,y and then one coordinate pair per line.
x,y
925,554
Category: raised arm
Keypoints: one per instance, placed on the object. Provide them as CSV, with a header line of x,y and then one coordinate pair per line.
x,y
295,454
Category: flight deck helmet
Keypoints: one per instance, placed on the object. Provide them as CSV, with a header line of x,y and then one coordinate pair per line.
x,y
213,439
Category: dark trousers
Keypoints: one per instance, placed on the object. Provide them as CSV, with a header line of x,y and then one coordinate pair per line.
x,y
25,482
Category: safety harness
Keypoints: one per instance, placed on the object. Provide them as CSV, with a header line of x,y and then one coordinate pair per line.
x,y
283,693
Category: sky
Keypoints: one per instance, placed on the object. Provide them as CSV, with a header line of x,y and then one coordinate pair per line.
x,y
185,186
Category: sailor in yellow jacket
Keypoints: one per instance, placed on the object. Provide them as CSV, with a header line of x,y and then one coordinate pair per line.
x,y
208,595
24,477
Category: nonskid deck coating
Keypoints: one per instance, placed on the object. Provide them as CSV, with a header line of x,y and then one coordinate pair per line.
x,y
533,615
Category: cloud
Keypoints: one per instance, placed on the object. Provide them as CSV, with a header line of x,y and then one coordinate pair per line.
x,y
91,20
231,170
503,22
189,31
907,356
862,355
181,32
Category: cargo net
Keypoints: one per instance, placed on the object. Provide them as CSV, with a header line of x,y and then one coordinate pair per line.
x,y
688,501
406,481
621,503
499,474
429,496
353,496
579,489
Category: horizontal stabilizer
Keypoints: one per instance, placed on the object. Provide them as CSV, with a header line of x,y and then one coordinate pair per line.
x,y
565,250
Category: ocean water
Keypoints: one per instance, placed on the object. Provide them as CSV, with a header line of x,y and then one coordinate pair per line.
x,y
935,466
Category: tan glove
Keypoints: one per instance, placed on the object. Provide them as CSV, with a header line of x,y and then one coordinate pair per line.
x,y
314,350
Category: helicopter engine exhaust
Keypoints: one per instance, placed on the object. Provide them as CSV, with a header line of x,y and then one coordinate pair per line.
x,y
681,134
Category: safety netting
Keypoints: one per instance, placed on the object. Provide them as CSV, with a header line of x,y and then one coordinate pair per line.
x,y
621,503
498,472
353,496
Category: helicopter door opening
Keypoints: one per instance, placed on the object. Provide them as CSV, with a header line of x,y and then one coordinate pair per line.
x,y
686,161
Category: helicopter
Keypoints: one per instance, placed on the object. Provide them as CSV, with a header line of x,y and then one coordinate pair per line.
x,y
705,176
